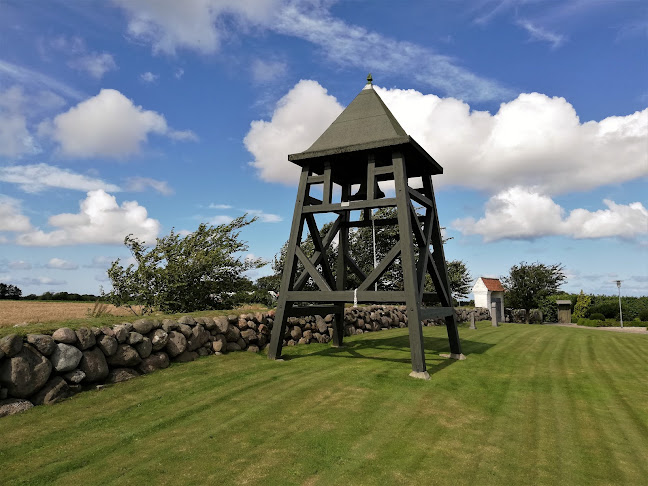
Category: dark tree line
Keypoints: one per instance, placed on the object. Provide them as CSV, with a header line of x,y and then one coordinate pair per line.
x,y
8,291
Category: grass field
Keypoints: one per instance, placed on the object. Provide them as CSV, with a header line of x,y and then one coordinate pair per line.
x,y
538,405
49,316
18,311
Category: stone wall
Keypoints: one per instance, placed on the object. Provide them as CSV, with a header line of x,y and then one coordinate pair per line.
x,y
42,369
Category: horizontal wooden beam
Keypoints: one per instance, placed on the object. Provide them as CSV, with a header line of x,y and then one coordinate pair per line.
x,y
366,296
387,169
350,206
435,312
378,222
316,179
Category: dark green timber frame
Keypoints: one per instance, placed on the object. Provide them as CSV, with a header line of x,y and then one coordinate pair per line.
x,y
396,159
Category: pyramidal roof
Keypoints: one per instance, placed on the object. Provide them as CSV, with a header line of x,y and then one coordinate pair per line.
x,y
366,123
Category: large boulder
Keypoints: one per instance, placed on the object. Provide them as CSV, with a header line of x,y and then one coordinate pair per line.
x,y
94,365
121,374
120,333
154,362
320,324
25,373
159,338
54,391
64,335
11,345
187,320
75,376
232,334
144,348
125,356
185,329
296,333
221,324
169,325
107,344
249,335
143,326
219,344
176,344
44,343
66,357
199,336
85,337
14,405
233,347
134,338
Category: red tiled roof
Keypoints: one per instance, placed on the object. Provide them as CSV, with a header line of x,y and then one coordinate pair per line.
x,y
493,284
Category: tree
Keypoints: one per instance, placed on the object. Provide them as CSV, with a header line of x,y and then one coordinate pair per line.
x,y
528,285
9,292
581,308
361,250
460,279
202,270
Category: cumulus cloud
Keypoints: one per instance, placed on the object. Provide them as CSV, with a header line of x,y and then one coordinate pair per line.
x,y
61,264
533,140
524,213
100,220
220,219
141,184
108,125
298,119
219,206
95,64
38,177
11,217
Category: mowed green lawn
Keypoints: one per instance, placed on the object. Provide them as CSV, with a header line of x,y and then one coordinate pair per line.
x,y
530,405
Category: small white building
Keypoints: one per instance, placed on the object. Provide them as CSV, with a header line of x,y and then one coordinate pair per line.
x,y
488,291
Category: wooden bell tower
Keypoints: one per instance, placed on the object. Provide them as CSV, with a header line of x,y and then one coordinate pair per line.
x,y
364,145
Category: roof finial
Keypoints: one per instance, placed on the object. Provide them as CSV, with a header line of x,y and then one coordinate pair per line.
x,y
369,79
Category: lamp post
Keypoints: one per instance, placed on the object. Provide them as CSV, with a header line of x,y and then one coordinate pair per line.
x,y
618,282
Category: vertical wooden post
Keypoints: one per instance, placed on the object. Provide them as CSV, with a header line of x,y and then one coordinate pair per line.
x,y
408,262
494,314
290,268
341,268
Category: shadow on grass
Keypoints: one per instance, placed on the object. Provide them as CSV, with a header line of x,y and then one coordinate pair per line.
x,y
367,348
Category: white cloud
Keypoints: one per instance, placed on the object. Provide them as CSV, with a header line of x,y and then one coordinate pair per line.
x,y
537,33
37,81
95,64
178,73
38,177
20,265
100,221
184,232
524,213
533,140
201,25
299,118
60,264
149,77
220,219
108,125
11,217
40,281
15,139
192,23
101,262
219,206
141,184
264,217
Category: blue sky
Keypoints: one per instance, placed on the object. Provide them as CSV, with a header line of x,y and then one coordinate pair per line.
x,y
138,116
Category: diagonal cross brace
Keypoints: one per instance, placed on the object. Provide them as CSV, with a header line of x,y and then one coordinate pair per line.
x,y
381,267
312,271
318,256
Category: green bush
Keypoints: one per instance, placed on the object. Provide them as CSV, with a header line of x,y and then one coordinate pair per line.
x,y
597,316
643,315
